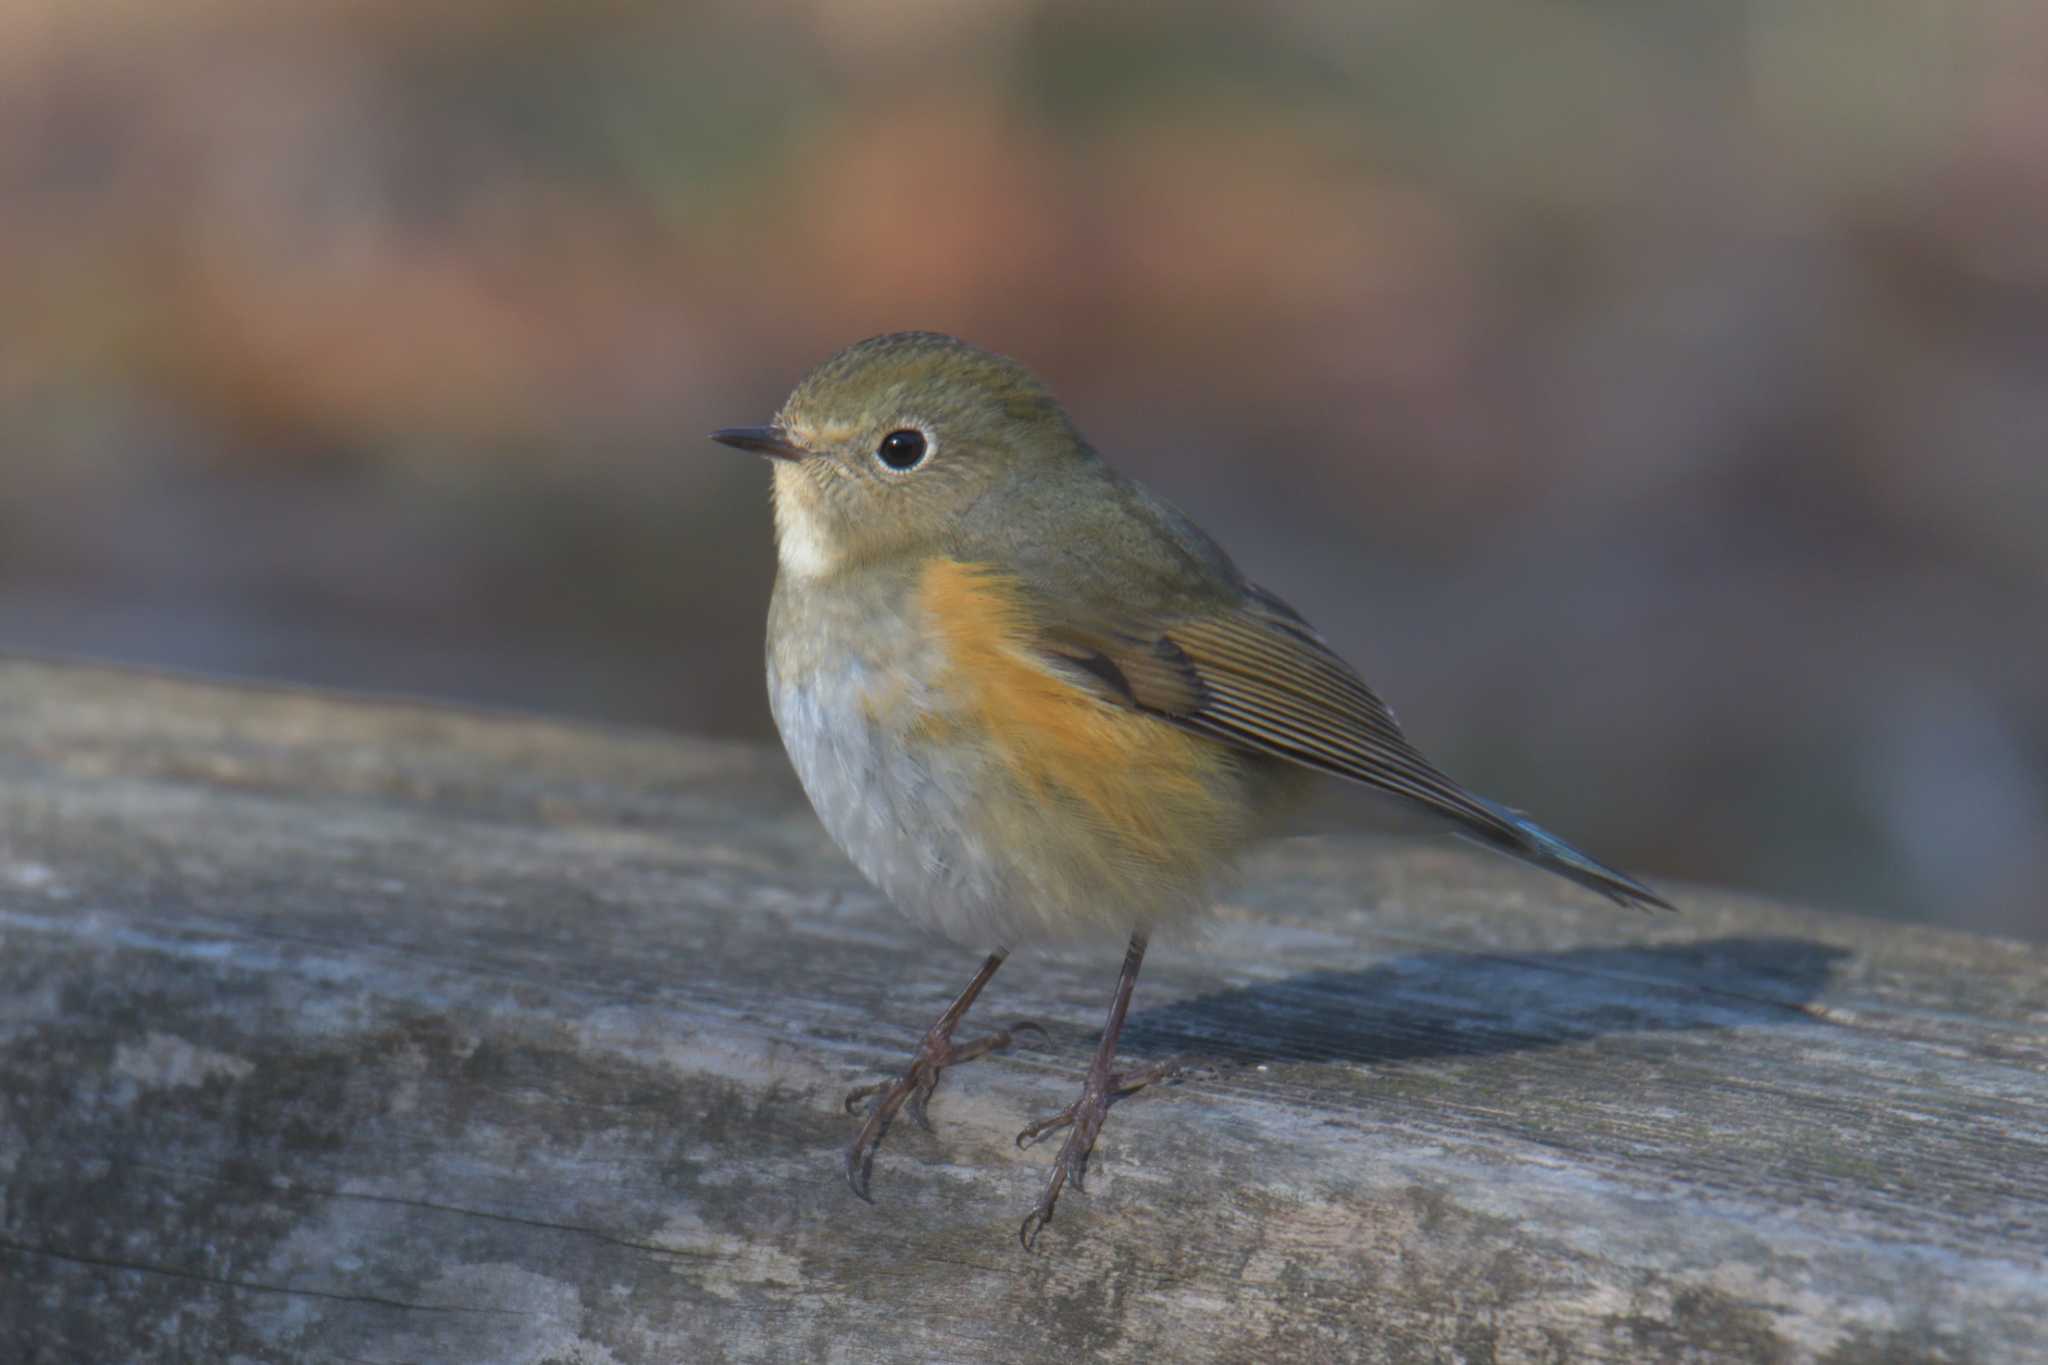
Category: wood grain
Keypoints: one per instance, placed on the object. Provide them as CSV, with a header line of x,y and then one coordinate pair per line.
x,y
336,1031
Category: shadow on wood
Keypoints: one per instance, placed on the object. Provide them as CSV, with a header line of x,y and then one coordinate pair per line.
x,y
1478,1005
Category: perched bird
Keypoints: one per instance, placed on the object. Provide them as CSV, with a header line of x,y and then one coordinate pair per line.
x,y
1032,701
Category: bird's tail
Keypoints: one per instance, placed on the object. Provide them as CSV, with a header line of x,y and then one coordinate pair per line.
x,y
1520,837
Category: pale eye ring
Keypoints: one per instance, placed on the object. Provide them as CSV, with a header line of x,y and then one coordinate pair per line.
x,y
903,449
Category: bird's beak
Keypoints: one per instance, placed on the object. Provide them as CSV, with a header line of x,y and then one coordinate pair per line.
x,y
770,441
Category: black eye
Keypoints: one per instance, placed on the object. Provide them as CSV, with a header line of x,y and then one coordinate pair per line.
x,y
901,450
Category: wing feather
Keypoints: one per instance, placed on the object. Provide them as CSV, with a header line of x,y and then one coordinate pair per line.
x,y
1257,676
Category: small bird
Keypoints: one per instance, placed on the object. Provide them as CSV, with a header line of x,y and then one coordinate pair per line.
x,y
1031,701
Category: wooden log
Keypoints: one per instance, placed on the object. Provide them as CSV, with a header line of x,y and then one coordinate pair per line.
x,y
333,1030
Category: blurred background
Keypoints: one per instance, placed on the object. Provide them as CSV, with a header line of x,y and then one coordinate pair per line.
x,y
1650,397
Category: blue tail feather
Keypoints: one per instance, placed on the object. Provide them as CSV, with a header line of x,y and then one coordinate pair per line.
x,y
1538,846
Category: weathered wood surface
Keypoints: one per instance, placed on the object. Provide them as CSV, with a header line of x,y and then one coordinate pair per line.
x,y
356,1032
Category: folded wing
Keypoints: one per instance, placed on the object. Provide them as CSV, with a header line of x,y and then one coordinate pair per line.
x,y
1254,674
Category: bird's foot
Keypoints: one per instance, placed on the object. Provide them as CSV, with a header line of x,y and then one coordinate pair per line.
x,y
1084,1116
914,1088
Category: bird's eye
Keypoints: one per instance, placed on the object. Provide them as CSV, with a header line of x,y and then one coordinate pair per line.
x,y
902,450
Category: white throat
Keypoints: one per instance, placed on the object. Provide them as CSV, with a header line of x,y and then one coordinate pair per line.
x,y
802,544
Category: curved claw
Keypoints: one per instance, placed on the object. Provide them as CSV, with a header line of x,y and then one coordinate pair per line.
x,y
859,1093
1030,1025
920,1095
1035,1221
857,1172
1032,1134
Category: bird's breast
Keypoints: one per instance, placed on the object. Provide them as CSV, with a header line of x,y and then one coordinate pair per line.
x,y
983,789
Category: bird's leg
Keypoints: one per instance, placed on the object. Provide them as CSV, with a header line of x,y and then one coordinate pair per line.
x,y
1103,1088
937,1052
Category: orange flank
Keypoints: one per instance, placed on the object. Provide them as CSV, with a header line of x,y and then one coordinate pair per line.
x,y
1163,796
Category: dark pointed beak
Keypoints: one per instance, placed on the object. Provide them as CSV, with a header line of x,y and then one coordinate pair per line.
x,y
769,441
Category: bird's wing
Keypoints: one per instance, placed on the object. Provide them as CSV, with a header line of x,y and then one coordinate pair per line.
x,y
1253,674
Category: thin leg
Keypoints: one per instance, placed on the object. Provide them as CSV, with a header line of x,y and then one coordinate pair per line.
x,y
915,1085
1103,1088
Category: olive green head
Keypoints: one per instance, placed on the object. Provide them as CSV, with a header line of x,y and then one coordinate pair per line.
x,y
884,448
